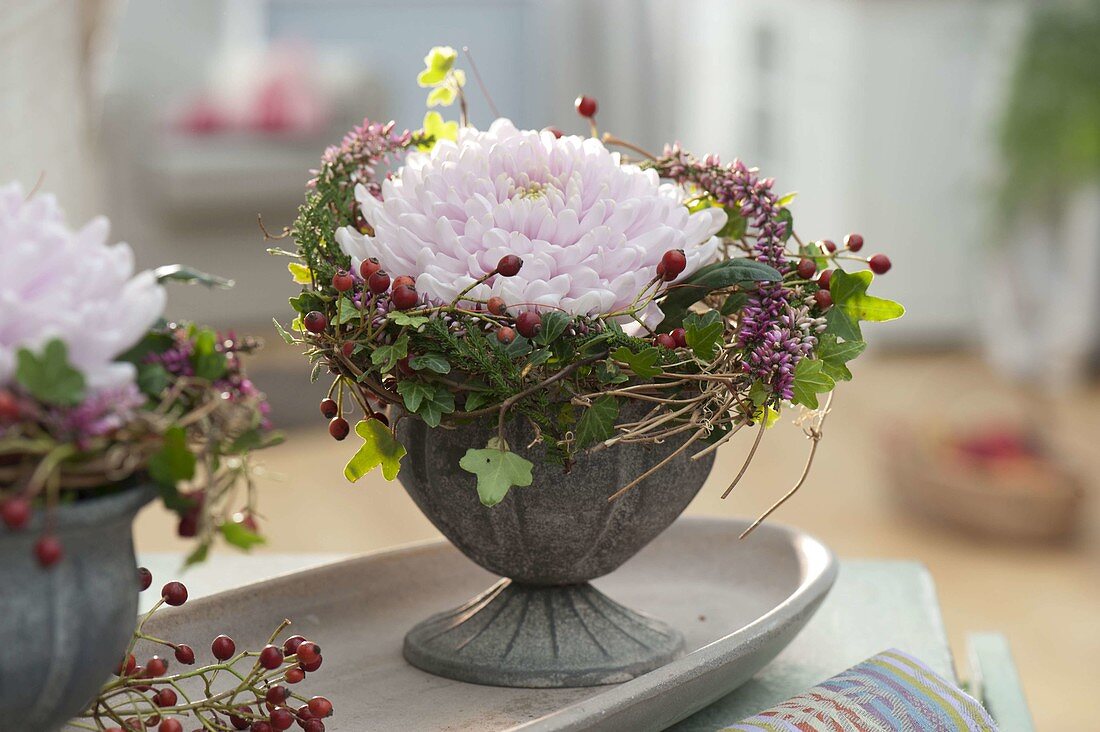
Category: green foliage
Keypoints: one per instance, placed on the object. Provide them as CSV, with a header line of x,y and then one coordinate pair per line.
x,y
716,276
173,462
189,275
379,448
287,337
430,401
385,357
434,130
437,64
643,363
704,333
239,535
152,379
497,470
554,324
810,380
597,423
346,312
207,361
851,304
404,319
50,378
430,362
835,355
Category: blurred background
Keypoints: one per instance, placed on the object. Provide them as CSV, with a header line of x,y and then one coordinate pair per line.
x,y
962,137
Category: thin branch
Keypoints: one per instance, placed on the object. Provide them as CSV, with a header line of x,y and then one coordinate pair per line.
x,y
480,83
745,467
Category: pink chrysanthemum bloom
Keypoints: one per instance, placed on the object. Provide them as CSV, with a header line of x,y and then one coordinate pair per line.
x,y
71,285
590,231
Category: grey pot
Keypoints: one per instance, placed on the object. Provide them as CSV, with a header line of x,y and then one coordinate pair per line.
x,y
544,625
66,628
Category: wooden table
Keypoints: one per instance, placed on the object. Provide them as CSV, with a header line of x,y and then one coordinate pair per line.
x,y
874,606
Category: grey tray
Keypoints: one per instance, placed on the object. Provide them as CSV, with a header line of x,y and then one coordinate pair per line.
x,y
738,603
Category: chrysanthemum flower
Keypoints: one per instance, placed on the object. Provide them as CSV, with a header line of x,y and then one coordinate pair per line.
x,y
69,285
590,231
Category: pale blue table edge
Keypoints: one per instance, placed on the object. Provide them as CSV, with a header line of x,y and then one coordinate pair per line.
x,y
874,605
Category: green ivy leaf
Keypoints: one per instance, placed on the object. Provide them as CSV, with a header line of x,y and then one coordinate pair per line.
x,y
346,312
554,324
379,448
240,536
704,333
539,357
834,355
736,224
50,378
641,363
289,339
152,378
207,361
173,462
386,357
198,556
497,470
300,273
439,61
404,319
430,401
810,380
477,399
849,293
431,362
182,273
435,129
442,96
608,372
716,276
597,423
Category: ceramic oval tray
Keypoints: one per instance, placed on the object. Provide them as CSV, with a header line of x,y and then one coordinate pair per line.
x,y
738,603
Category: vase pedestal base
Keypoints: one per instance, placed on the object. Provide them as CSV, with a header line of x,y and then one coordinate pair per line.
x,y
541,637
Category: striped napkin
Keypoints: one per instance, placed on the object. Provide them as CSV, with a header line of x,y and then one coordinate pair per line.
x,y
889,692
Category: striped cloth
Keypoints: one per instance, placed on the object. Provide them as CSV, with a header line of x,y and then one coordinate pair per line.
x,y
890,692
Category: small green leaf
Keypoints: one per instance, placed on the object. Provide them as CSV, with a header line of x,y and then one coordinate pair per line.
x,y
497,470
404,319
608,372
442,96
641,363
379,448
430,361
287,337
439,61
787,199
834,355
554,324
173,462
50,378
152,378
704,333
435,129
240,536
716,276
810,380
300,273
430,401
207,361
199,555
840,324
597,423
477,399
736,224
182,273
386,357
871,308
539,357
346,312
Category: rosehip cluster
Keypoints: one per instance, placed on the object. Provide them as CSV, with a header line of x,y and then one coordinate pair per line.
x,y
144,696
672,264
675,338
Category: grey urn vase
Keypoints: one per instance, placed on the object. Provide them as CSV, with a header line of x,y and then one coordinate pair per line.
x,y
543,625
66,628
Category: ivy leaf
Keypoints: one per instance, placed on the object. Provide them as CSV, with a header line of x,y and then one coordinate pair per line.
x,y
300,273
704,333
598,421
207,361
435,129
478,399
840,324
431,362
287,337
430,401
306,301
554,324
240,536
716,276
346,312
183,273
50,378
379,448
834,355
787,199
437,63
849,293
442,96
198,556
386,357
152,378
641,363
497,470
173,462
539,357
810,380
404,319
736,224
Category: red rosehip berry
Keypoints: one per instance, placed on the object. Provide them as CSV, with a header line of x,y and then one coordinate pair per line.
x,y
314,725
311,666
369,267
404,297
381,417
348,348
276,695
185,654
170,725
505,334
290,645
15,512
497,306
294,675
664,340
189,524
329,408
680,336
174,593
315,322
223,647
404,280
261,727
304,715
806,268
320,706
238,721
879,264
155,667
271,657
339,428
824,299
529,323
308,651
829,245
165,698
509,265
281,718
854,242
586,106
379,282
553,131
824,279
48,550
9,407
405,367
672,264
342,281
152,721
145,578
127,666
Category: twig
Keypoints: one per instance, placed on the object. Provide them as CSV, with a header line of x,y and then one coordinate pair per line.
x,y
480,83
745,467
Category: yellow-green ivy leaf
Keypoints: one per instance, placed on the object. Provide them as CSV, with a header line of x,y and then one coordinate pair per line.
x,y
442,96
300,273
435,129
379,448
437,63
497,470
